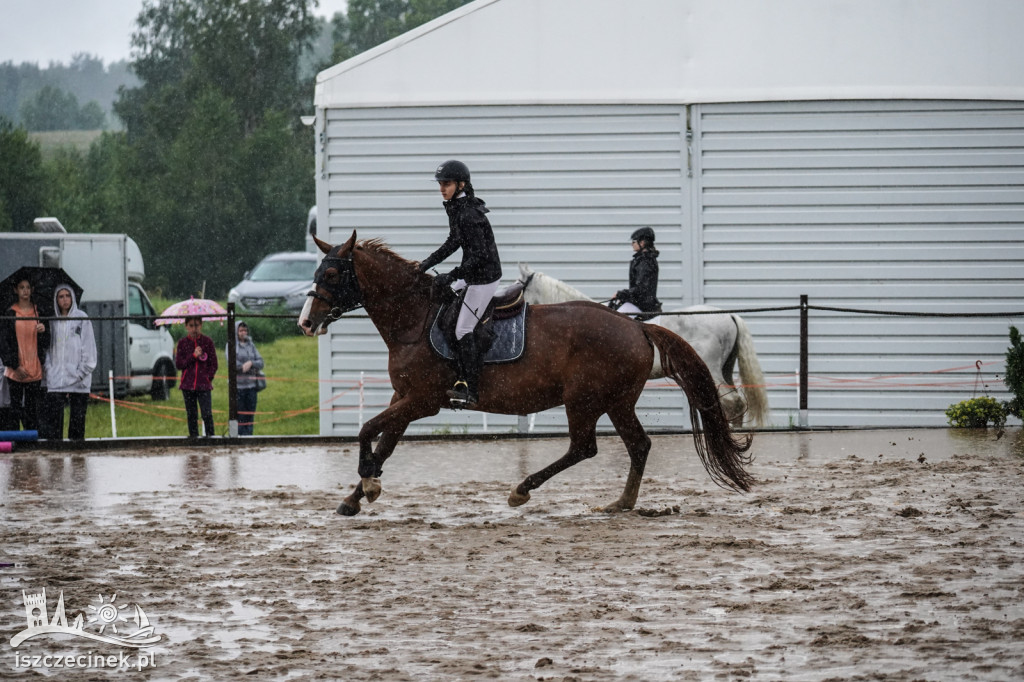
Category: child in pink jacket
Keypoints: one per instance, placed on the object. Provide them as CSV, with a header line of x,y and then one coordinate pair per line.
x,y
197,359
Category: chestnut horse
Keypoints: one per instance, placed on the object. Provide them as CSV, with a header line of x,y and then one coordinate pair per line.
x,y
579,354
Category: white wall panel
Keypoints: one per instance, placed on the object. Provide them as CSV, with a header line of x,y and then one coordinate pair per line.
x,y
566,186
896,205
909,206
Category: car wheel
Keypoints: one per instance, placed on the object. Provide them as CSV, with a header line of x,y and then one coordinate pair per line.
x,y
164,379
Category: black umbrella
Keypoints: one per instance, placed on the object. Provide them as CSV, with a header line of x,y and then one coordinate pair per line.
x,y
44,281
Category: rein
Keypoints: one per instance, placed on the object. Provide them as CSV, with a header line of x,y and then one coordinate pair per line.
x,y
346,270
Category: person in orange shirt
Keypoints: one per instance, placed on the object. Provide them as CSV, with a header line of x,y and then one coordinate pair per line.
x,y
23,345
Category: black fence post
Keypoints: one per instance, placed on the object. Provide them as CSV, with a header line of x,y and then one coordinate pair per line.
x,y
803,360
232,376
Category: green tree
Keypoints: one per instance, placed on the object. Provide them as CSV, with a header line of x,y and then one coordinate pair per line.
x,y
248,50
109,166
50,109
369,23
21,178
91,117
69,194
216,169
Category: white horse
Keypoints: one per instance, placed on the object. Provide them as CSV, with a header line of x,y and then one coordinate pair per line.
x,y
720,340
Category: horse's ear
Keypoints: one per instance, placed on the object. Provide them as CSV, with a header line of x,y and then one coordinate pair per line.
x,y
350,244
322,245
524,270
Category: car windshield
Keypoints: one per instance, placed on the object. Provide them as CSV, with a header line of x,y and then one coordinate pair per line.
x,y
283,271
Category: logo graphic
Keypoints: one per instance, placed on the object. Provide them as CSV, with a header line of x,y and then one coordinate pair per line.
x,y
105,615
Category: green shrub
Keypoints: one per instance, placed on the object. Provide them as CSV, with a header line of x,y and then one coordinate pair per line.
x,y
1014,378
976,413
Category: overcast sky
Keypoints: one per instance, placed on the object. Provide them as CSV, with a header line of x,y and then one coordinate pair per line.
x,y
42,31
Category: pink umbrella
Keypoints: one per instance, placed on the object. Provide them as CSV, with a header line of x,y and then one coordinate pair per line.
x,y
193,307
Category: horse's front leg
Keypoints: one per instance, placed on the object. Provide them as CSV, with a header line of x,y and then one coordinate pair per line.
x,y
390,425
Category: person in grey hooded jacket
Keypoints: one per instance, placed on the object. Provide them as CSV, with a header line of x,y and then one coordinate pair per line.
x,y
248,364
69,366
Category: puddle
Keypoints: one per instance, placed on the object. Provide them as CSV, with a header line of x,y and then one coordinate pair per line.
x,y
889,554
100,478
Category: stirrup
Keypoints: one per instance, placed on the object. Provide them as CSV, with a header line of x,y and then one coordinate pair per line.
x,y
460,396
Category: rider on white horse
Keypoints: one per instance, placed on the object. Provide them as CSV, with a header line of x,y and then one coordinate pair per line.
x,y
479,273
642,294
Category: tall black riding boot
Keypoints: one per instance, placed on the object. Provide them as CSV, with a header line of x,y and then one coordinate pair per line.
x,y
466,390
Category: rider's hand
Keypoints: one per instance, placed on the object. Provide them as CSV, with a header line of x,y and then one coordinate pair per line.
x,y
441,287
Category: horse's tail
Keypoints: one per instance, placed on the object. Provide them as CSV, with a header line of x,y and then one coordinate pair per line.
x,y
754,393
721,453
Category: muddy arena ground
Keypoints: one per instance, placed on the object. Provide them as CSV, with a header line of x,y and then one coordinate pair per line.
x,y
860,555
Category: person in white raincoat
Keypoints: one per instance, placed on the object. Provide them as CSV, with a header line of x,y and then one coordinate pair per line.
x,y
69,367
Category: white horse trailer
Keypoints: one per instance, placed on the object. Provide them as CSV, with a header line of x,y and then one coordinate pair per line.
x,y
110,270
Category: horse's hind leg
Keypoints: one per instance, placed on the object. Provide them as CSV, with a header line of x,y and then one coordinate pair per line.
x,y
638,445
582,445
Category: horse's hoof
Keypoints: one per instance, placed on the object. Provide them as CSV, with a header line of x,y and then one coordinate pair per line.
x,y
516,499
614,508
347,508
371,488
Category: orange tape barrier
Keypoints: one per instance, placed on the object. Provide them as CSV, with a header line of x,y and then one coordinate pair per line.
x,y
815,381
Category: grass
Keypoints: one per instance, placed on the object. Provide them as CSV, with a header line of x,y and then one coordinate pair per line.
x,y
52,140
288,406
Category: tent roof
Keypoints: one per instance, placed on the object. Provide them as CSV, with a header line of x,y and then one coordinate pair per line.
x,y
691,51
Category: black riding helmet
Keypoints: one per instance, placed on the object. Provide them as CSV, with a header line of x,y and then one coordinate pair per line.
x,y
644,234
452,170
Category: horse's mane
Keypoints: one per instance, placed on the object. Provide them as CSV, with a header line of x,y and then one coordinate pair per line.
x,y
377,246
555,290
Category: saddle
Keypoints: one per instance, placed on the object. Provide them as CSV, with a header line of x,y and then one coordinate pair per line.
x,y
502,330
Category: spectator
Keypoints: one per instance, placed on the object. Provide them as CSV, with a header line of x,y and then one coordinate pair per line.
x,y
248,363
196,358
23,345
69,367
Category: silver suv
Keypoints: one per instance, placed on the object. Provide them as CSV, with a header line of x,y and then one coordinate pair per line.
x,y
280,279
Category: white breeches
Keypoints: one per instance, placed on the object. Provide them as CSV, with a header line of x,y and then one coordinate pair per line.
x,y
474,305
631,310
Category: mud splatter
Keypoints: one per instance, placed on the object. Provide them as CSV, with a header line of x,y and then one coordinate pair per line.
x,y
840,565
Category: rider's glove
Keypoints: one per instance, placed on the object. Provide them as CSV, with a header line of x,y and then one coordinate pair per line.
x,y
441,289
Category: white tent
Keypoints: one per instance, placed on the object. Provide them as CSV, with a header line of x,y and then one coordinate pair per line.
x,y
691,51
867,153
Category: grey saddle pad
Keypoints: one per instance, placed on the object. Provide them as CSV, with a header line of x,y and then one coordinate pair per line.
x,y
509,339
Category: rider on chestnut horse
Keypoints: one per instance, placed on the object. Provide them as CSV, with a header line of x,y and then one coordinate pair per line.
x,y
479,273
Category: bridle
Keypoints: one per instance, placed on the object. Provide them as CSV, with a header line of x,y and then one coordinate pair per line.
x,y
345,295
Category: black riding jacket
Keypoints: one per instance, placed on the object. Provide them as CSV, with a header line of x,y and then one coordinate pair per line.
x,y
471,231
643,282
